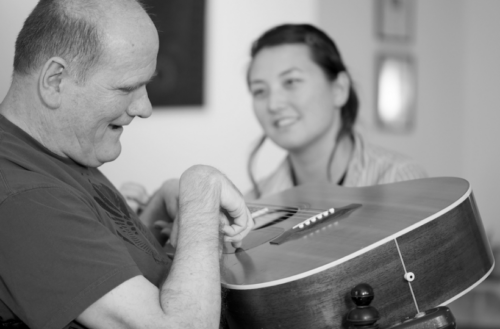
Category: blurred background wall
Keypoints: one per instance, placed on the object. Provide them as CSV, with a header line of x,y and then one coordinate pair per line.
x,y
456,49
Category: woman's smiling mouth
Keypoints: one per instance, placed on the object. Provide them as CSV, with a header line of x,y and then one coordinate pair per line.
x,y
285,122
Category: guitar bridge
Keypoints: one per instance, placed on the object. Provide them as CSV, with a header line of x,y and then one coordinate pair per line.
x,y
318,217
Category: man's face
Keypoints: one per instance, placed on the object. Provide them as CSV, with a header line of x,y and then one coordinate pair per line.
x,y
96,112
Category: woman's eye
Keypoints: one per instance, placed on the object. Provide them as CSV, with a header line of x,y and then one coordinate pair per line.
x,y
291,82
258,93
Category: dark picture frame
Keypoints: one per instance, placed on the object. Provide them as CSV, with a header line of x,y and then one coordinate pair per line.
x,y
179,79
395,20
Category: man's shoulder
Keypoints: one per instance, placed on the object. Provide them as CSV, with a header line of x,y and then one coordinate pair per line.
x,y
19,175
26,166
31,192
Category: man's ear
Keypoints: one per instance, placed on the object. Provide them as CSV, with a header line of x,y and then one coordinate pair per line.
x,y
51,80
341,87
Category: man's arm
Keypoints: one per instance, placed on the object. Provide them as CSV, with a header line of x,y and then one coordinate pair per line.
x,y
190,296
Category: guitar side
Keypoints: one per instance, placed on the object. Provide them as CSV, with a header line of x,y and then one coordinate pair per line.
x,y
446,250
449,256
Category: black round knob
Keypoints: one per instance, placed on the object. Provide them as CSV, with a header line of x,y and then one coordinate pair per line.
x,y
362,294
363,315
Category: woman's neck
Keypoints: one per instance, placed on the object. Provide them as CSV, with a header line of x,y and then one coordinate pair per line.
x,y
311,164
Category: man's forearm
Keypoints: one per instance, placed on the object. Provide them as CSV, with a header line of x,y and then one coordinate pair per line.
x,y
194,280
193,286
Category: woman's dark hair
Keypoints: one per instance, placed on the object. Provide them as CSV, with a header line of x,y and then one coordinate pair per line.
x,y
326,55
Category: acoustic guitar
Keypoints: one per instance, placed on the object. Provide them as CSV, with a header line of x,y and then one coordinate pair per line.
x,y
420,244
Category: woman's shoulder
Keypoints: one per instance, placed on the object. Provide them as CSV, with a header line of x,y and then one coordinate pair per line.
x,y
277,181
378,165
385,156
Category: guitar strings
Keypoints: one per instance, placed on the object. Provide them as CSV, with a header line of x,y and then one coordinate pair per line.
x,y
284,212
288,213
273,208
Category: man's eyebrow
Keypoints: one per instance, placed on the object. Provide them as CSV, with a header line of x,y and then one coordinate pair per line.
x,y
139,84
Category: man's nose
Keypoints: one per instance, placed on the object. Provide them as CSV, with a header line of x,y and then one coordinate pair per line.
x,y
141,107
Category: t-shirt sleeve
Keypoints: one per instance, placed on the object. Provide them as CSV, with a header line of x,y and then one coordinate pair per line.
x,y
56,257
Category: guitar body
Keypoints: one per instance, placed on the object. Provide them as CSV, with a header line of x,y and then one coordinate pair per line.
x,y
430,227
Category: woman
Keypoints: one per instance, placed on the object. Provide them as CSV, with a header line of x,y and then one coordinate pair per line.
x,y
305,102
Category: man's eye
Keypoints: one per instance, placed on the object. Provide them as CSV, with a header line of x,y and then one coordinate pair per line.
x,y
127,90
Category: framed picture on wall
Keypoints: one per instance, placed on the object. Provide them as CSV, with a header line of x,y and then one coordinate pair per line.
x,y
395,19
179,79
396,92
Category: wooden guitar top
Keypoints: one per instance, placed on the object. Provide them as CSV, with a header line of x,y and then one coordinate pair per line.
x,y
386,212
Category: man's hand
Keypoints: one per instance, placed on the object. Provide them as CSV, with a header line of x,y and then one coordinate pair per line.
x,y
236,219
135,195
161,210
204,189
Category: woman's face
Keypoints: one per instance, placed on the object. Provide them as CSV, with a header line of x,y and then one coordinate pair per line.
x,y
293,100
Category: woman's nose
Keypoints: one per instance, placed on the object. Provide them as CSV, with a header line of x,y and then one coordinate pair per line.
x,y
276,102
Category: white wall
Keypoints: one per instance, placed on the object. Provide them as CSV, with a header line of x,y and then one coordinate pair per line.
x,y
482,107
456,51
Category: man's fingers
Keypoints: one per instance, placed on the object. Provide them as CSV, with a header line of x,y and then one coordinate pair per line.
x,y
240,225
240,228
164,227
134,191
169,230
237,220
237,244
170,193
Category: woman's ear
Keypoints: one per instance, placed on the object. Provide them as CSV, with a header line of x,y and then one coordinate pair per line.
x,y
51,79
341,87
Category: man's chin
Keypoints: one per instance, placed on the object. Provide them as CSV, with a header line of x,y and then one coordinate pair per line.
x,y
110,158
102,157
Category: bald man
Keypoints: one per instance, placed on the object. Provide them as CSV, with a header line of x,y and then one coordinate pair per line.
x,y
72,254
